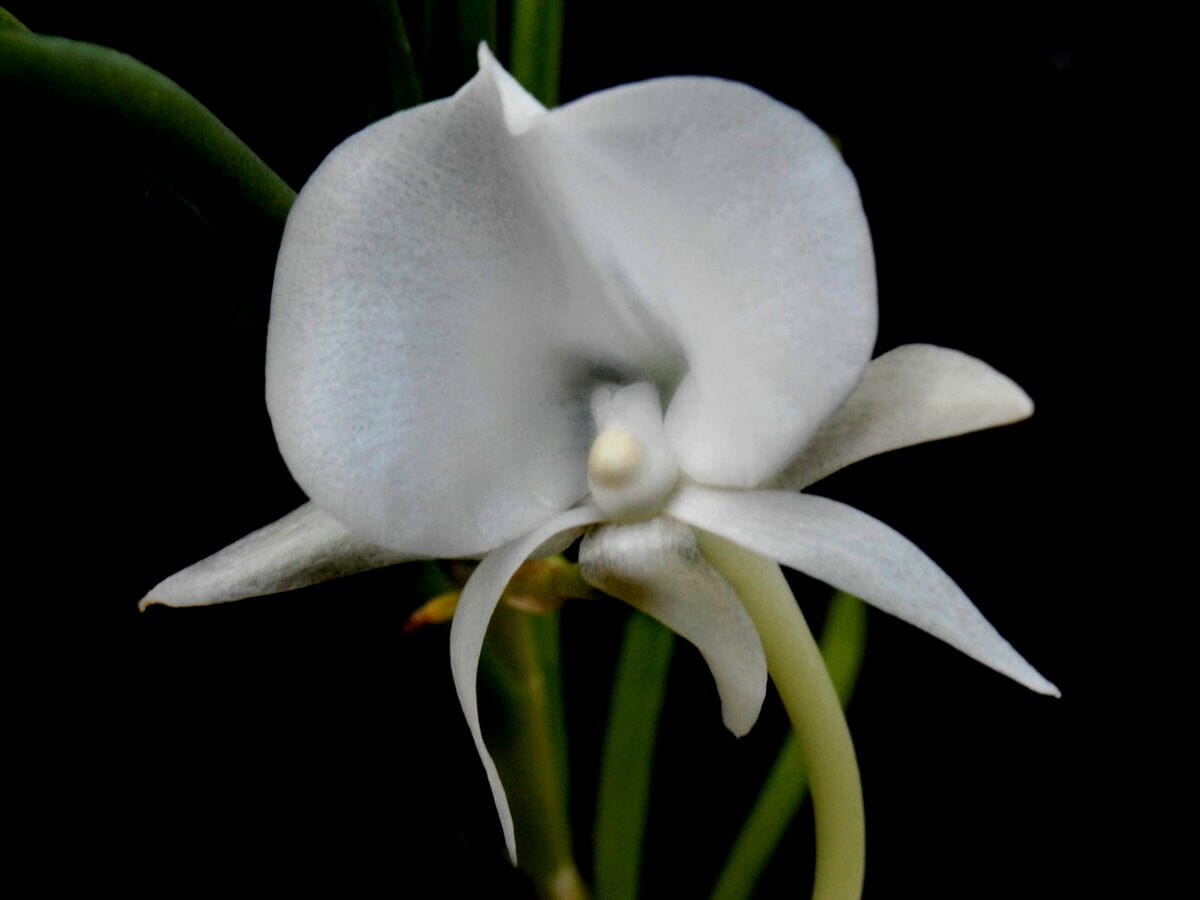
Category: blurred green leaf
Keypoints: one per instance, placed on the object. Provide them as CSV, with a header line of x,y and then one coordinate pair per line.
x,y
9,22
536,50
623,801
100,90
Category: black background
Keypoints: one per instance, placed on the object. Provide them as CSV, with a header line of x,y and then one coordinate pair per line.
x,y
301,741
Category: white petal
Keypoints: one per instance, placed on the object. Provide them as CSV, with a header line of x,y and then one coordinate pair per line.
x,y
735,221
910,395
656,567
434,340
478,602
521,108
305,547
857,554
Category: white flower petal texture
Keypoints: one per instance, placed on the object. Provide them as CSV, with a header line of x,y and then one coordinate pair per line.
x,y
656,566
855,553
305,547
910,395
495,326
429,361
734,219
449,293
478,602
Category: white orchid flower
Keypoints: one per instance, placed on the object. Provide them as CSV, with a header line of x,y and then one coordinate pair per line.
x,y
646,315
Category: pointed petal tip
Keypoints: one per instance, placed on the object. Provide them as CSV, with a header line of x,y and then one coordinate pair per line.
x,y
520,108
910,395
1017,668
484,55
739,721
1044,687
166,593
656,567
860,555
1022,403
161,594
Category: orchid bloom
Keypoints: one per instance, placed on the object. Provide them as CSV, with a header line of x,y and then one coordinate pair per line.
x,y
644,317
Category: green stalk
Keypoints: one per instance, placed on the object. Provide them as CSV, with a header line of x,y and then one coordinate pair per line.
x,y
524,677
536,54
169,129
787,784
628,757
812,704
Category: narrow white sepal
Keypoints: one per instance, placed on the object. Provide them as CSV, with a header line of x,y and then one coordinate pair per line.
x,y
480,597
656,567
909,395
855,553
305,547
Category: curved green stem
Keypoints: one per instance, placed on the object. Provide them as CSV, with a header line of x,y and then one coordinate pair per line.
x,y
812,704
786,786
166,126
628,756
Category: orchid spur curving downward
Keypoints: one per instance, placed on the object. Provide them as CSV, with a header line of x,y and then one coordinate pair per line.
x,y
645,317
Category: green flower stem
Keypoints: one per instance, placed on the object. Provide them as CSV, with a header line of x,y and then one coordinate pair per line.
x,y
842,641
628,756
102,90
536,56
523,672
812,704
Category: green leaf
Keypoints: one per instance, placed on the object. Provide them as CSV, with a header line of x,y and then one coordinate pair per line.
x,y
536,54
628,756
100,90
9,22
